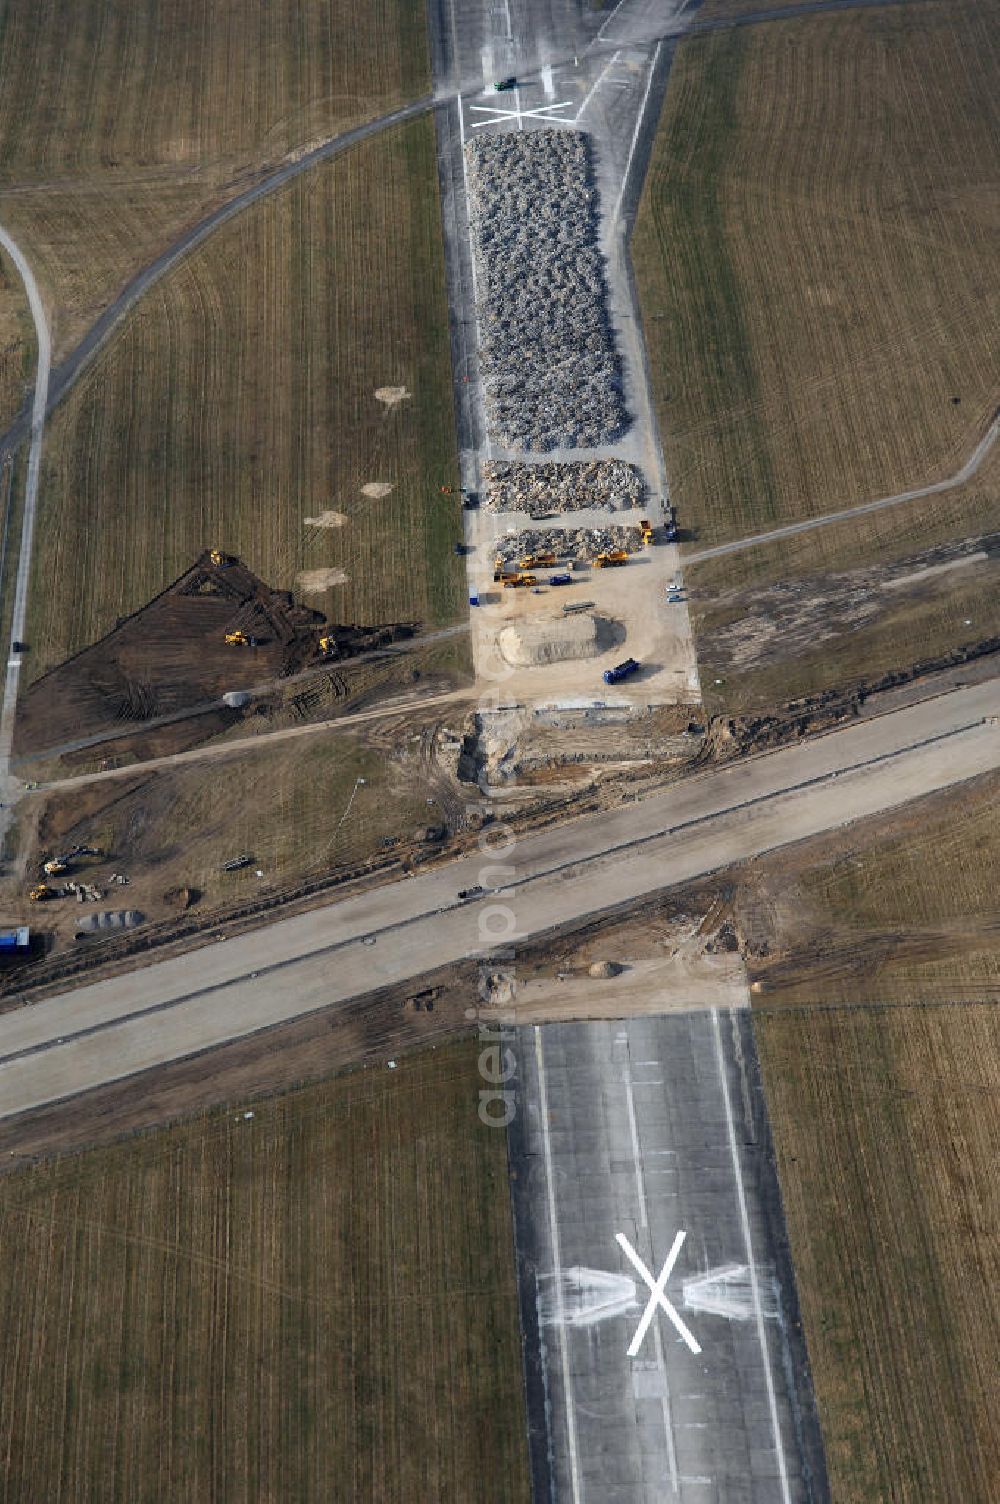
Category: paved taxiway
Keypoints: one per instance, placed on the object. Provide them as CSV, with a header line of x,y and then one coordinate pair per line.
x,y
181,1006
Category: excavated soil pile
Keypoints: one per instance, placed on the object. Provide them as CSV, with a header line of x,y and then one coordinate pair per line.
x,y
551,373
172,655
555,639
514,486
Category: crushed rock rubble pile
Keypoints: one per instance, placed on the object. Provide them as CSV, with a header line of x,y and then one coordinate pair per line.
x,y
513,486
551,372
567,542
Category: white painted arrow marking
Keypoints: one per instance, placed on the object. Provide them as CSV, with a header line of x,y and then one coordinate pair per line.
x,y
657,1297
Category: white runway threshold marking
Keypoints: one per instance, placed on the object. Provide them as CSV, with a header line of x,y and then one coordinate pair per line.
x,y
543,1105
748,1246
658,1295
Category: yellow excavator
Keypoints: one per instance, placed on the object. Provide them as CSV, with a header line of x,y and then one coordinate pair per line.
x,y
40,892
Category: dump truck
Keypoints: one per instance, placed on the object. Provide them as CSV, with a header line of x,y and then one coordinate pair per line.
x,y
514,582
560,579
610,560
620,671
40,892
536,561
670,524
239,639
647,530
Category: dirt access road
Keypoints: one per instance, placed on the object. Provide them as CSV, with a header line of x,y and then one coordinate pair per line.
x,y
109,1030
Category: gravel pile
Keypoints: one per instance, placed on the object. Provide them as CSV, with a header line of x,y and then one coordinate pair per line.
x,y
568,542
512,486
551,372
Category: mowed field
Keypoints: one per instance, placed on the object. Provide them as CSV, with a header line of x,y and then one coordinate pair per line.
x,y
312,1298
847,603
816,253
238,408
887,1133
900,910
17,339
879,1036
126,125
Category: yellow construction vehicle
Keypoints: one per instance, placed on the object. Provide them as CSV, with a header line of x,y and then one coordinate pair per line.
x,y
515,581
537,561
219,559
40,892
327,645
647,530
55,866
610,560
238,639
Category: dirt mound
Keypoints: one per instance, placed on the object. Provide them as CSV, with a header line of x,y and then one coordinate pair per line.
x,y
554,639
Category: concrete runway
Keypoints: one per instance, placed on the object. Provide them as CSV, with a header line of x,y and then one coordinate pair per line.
x,y
107,1030
647,1129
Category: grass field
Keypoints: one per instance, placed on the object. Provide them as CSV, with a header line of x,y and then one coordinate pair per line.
x,y
815,253
119,129
887,1136
879,1037
315,1302
899,910
818,611
17,340
238,402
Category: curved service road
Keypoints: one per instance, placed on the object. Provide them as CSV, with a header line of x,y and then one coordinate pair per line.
x,y
826,519
38,410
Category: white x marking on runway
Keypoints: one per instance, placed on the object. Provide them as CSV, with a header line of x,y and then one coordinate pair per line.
x,y
657,1298
541,112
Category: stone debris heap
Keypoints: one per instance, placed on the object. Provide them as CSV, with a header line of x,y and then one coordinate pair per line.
x,y
551,372
567,542
513,486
